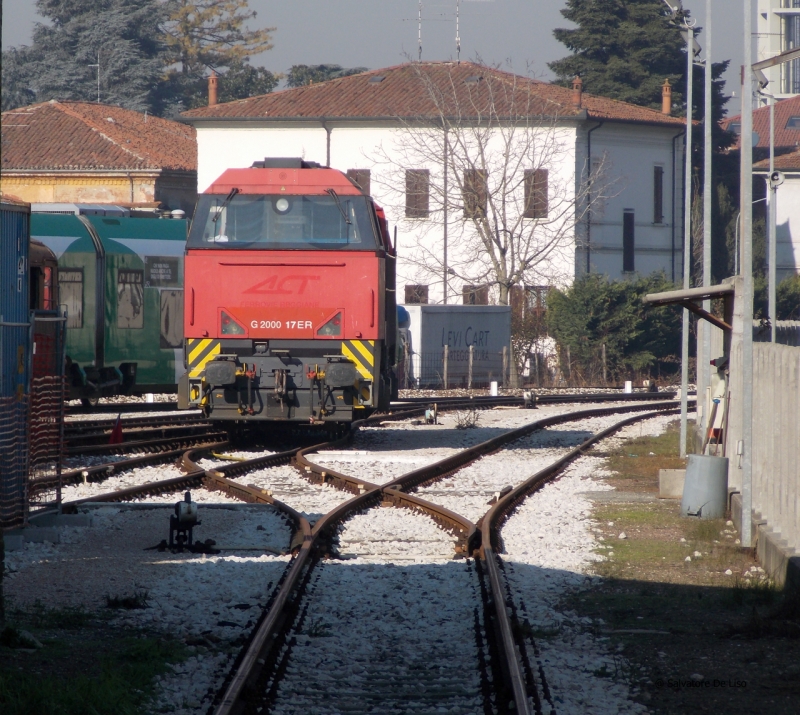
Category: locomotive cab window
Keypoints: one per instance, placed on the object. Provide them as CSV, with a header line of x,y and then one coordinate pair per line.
x,y
130,299
329,221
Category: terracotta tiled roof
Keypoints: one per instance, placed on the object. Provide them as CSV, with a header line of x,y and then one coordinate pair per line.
x,y
402,93
11,199
785,162
785,136
84,136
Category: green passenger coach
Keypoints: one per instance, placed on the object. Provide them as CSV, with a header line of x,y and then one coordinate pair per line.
x,y
120,280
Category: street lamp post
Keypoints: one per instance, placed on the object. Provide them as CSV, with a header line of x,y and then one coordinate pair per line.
x,y
774,179
746,203
703,371
691,50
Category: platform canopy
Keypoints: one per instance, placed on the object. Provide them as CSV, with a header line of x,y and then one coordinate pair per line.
x,y
687,297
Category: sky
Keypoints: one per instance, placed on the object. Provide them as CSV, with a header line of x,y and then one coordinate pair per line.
x,y
380,33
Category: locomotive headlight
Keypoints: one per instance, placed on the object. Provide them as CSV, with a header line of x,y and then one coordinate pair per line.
x,y
282,205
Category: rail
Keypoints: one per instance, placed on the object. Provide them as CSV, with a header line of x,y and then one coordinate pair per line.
x,y
479,540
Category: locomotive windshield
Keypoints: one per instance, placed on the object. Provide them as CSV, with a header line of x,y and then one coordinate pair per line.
x,y
331,221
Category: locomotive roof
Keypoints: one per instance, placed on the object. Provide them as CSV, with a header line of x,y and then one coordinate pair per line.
x,y
283,181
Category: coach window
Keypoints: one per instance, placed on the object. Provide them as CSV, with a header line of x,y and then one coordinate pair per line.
x,y
171,319
416,294
475,192
418,188
627,241
536,193
70,291
658,194
361,177
130,298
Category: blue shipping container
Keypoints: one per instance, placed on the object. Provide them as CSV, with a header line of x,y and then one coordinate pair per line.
x,y
14,298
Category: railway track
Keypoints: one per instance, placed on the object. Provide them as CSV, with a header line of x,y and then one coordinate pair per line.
x,y
114,408
505,669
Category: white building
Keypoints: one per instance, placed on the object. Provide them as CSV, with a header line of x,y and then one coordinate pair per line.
x,y
384,128
778,30
787,214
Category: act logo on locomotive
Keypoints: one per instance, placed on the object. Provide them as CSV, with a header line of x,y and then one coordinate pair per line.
x,y
272,286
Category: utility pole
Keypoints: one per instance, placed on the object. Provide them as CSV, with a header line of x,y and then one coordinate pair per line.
x,y
445,268
691,47
772,229
746,203
458,37
775,179
703,371
98,75
419,31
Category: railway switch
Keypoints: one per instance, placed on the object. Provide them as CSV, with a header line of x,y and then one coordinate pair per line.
x,y
182,522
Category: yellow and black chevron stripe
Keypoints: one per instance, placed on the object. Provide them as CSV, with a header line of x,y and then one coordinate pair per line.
x,y
199,351
362,353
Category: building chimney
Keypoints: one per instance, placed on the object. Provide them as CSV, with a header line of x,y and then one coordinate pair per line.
x,y
212,88
577,92
666,98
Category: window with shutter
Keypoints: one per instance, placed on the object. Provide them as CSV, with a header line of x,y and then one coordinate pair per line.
x,y
416,294
658,194
536,193
475,295
628,246
475,193
418,184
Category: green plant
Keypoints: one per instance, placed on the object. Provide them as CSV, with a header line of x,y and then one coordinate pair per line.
x,y
38,615
124,686
468,419
597,317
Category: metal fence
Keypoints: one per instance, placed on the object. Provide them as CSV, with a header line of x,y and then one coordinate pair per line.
x,y
13,461
31,417
46,441
467,369
46,416
447,369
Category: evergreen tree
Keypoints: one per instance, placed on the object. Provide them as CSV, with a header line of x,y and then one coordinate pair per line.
x,y
623,49
203,35
16,91
124,34
153,54
300,75
211,33
626,49
595,311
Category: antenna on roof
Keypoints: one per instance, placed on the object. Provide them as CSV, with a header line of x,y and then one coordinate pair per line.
x,y
419,32
98,75
458,38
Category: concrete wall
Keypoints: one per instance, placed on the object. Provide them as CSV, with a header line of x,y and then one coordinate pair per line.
x,y
776,440
176,189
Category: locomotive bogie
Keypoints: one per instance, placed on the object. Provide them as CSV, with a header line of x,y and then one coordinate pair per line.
x,y
298,381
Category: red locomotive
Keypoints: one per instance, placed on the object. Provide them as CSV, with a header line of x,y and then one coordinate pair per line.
x,y
290,309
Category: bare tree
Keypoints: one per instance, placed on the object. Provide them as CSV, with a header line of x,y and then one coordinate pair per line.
x,y
487,179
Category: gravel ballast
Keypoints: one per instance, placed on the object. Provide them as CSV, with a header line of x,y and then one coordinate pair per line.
x,y
391,561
